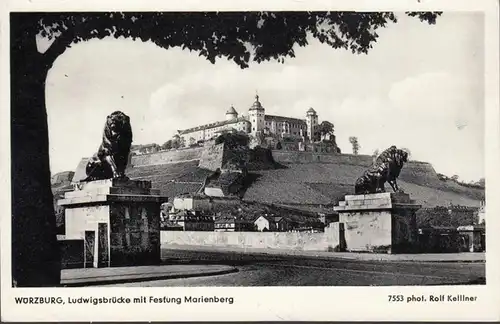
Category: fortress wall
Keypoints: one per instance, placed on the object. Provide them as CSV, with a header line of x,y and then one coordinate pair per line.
x,y
309,157
167,156
261,240
212,157
419,172
422,168
80,171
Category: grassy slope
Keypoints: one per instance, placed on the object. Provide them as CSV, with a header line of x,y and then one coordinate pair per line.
x,y
324,183
312,183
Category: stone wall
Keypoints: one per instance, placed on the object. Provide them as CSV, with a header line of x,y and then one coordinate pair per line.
x,y
80,172
168,156
212,157
266,240
308,157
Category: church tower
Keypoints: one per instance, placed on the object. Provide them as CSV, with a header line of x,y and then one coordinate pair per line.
x,y
256,117
311,122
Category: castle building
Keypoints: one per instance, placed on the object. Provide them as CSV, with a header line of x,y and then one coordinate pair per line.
x,y
255,122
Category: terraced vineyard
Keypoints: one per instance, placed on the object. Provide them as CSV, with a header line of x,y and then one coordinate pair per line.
x,y
172,179
326,183
315,183
181,172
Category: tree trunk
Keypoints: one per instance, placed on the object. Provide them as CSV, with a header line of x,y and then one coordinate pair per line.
x,y
35,251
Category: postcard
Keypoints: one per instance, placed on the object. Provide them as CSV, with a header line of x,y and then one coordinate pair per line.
x,y
250,161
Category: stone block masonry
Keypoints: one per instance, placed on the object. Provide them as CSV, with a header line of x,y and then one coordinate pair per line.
x,y
164,157
212,157
382,222
118,221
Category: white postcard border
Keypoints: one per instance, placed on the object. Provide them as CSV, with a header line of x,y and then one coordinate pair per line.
x,y
266,303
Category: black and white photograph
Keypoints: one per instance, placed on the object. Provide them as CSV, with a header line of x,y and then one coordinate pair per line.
x,y
247,148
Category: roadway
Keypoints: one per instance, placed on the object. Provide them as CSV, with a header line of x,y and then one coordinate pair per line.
x,y
282,270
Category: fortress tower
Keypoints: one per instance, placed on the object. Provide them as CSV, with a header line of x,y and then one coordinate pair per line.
x,y
256,116
231,114
312,122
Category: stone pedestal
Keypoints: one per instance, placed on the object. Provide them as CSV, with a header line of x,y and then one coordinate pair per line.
x,y
382,222
118,220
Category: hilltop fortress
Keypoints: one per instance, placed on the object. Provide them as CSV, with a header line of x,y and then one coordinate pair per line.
x,y
307,180
307,171
254,123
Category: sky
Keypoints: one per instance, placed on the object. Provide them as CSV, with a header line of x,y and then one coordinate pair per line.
x,y
421,87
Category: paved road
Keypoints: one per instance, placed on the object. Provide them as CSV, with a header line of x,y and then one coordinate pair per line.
x,y
262,270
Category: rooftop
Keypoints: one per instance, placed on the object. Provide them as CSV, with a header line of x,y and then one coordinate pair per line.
x,y
212,125
256,105
311,111
284,119
231,110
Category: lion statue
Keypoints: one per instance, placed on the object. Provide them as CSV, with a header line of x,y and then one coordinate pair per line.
x,y
111,159
386,168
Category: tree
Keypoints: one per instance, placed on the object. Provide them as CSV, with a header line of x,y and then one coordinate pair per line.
x,y
241,37
355,144
325,128
176,141
233,139
454,178
167,145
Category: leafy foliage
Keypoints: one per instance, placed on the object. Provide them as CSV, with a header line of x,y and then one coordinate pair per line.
x,y
452,216
233,139
480,184
239,36
167,145
355,144
325,128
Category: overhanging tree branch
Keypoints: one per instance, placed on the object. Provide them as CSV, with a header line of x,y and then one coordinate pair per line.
x,y
58,47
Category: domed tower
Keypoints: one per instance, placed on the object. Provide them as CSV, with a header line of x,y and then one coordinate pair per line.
x,y
256,116
231,114
312,122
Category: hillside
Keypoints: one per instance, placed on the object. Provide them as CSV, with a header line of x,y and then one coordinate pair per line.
x,y
303,178
311,183
326,183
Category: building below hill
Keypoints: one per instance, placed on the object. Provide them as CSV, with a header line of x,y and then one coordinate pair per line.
x,y
271,223
447,216
256,123
229,223
450,239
